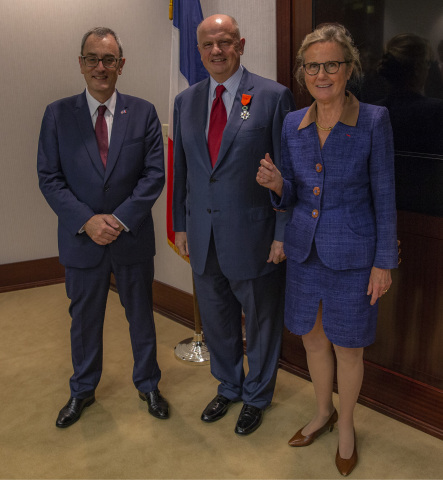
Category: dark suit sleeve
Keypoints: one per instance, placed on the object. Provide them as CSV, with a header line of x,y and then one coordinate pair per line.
x,y
137,206
285,105
180,175
71,212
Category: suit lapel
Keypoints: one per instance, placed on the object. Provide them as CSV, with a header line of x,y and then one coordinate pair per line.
x,y
235,121
84,122
199,116
119,125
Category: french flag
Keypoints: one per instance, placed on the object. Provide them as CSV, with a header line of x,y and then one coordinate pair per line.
x,y
186,69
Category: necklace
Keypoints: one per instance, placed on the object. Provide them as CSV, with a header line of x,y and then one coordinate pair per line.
x,y
328,129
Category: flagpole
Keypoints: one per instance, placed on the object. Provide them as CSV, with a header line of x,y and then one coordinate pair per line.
x,y
194,349
186,15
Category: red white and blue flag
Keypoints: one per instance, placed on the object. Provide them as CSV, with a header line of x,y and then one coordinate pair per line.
x,y
186,69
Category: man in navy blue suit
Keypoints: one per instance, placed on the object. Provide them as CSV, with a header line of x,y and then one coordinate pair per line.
x,y
101,169
227,225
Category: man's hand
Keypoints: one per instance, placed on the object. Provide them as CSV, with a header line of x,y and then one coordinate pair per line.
x,y
103,229
277,253
181,242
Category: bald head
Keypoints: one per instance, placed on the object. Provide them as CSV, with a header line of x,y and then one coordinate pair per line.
x,y
220,46
220,20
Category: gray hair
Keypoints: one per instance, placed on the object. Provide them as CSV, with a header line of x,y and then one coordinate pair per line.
x,y
329,32
102,32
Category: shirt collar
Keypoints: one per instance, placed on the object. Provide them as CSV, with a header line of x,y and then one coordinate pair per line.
x,y
93,104
349,115
231,84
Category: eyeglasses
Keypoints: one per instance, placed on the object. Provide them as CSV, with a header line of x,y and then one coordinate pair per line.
x,y
108,61
330,67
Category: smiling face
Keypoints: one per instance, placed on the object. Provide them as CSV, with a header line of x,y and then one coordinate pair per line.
x,y
220,47
101,80
327,87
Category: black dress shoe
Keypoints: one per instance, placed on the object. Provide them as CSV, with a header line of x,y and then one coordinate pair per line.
x,y
72,411
157,405
216,409
249,420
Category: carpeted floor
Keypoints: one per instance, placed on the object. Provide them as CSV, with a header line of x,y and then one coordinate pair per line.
x,y
116,438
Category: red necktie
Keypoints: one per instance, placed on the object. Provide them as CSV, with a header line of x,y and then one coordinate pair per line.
x,y
101,132
217,122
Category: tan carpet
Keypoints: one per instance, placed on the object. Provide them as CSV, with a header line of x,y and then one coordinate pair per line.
x,y
117,438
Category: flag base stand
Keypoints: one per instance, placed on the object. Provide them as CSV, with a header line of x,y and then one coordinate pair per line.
x,y
193,350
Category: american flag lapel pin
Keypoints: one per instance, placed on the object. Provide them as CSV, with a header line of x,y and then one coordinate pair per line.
x,y
123,112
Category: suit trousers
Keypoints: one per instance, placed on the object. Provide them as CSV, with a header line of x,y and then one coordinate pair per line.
x,y
221,301
88,288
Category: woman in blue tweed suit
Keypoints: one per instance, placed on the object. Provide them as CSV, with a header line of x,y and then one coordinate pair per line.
x,y
338,179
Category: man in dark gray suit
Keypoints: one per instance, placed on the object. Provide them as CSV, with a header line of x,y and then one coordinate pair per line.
x,y
102,185
225,221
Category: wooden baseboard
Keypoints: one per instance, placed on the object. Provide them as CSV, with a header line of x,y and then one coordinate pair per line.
x,y
173,303
33,273
397,396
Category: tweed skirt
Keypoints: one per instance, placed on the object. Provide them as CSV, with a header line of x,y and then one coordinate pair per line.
x,y
348,318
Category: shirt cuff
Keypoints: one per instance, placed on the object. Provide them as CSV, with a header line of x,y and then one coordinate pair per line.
x,y
124,226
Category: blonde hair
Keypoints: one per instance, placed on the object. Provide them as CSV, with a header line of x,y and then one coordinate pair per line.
x,y
330,32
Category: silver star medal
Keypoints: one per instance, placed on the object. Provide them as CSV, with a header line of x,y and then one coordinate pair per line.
x,y
245,114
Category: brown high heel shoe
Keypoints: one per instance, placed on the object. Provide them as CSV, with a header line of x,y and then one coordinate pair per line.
x,y
346,465
300,440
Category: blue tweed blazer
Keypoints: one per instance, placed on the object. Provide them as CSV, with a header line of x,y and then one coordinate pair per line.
x,y
342,195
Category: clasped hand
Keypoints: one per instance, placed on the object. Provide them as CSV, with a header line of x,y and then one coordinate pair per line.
x,y
103,229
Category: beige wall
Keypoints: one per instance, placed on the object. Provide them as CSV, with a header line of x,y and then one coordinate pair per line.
x,y
40,45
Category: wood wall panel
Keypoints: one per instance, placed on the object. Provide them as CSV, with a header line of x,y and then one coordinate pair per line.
x,y
410,327
294,22
285,55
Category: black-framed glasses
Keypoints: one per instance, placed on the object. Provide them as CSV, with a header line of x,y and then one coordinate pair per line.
x,y
108,61
313,68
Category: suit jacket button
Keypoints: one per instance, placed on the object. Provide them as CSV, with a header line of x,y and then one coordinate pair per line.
x,y
314,213
106,188
316,191
319,167
212,180
209,210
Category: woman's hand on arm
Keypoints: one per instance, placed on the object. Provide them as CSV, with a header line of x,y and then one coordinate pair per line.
x,y
269,175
